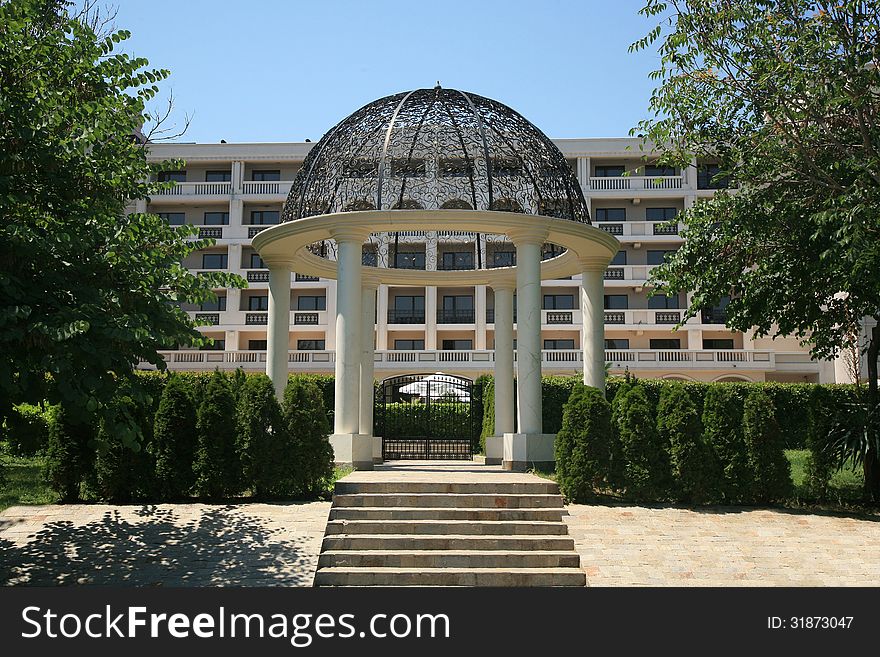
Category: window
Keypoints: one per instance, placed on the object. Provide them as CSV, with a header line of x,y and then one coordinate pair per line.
x,y
616,343
558,302
310,345
168,176
216,218
706,177
660,214
610,214
410,304
616,302
256,345
619,258
216,345
458,345
663,302
258,303
266,175
605,171
264,217
504,259
311,303
218,176
174,218
257,262
718,343
214,261
665,343
219,304
409,345
716,314
559,344
655,170
657,257
458,260
458,302
409,260
407,168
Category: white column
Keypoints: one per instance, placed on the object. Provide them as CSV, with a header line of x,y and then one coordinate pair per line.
x,y
367,401
382,318
504,420
349,446
480,316
592,307
431,317
278,329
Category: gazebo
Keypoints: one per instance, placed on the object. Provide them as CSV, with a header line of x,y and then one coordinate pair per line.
x,y
450,161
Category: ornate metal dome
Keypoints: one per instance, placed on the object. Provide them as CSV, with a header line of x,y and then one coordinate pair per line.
x,y
436,149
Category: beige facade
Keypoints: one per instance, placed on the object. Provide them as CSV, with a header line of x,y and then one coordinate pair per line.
x,y
233,191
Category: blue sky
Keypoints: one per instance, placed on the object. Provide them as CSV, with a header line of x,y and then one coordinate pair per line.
x,y
287,70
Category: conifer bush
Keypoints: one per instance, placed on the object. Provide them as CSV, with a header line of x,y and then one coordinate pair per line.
x,y
694,469
305,420
175,440
617,466
583,444
68,454
722,429
771,471
263,440
124,464
217,464
646,463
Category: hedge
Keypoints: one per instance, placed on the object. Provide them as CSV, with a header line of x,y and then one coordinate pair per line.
x,y
403,420
583,444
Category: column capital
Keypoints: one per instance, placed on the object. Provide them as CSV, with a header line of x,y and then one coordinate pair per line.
x,y
349,233
522,235
504,284
281,263
594,263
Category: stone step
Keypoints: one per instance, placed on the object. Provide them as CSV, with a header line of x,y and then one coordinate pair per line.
x,y
504,528
449,559
336,542
488,487
450,500
433,513
347,576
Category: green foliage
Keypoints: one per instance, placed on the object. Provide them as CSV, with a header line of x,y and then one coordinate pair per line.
x,y
305,420
410,419
770,469
69,457
174,439
217,464
722,430
695,471
583,453
266,451
88,289
326,384
555,392
617,467
488,423
646,461
27,429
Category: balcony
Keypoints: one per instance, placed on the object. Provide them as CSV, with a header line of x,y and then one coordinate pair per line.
x,y
648,231
558,317
613,274
665,229
256,319
615,317
258,276
406,316
305,318
445,316
213,232
714,316
198,189
642,316
208,319
253,231
302,278
626,183
667,317
265,188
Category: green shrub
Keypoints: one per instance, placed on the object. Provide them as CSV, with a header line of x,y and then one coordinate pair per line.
x,y
266,451
217,464
27,429
583,444
305,421
771,471
555,392
175,440
617,466
488,417
694,468
646,462
404,419
722,429
326,384
124,465
820,466
69,458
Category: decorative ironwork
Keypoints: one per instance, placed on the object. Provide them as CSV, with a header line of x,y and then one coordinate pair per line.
x,y
613,274
305,318
426,416
256,318
615,318
667,318
215,232
434,149
666,229
211,319
613,229
556,317
258,276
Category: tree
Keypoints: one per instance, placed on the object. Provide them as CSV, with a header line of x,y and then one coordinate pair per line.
x,y
262,437
783,95
646,463
87,288
68,457
723,432
217,463
583,444
174,439
305,420
770,469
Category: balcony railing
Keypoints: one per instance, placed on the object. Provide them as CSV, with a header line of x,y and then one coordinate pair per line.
x,y
557,317
665,229
615,318
613,274
635,182
446,316
302,278
406,316
261,187
258,276
303,319
614,229
210,318
215,232
256,318
198,189
253,231
667,317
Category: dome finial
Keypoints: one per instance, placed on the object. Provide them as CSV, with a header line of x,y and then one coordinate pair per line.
x,y
438,85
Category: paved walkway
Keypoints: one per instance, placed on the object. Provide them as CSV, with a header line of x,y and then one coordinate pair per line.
x,y
268,544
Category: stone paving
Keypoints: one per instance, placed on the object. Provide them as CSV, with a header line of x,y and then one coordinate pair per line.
x,y
162,545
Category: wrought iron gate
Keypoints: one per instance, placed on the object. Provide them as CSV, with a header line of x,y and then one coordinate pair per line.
x,y
426,416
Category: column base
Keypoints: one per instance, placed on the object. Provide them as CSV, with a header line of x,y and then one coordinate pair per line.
x,y
377,449
528,451
494,450
354,449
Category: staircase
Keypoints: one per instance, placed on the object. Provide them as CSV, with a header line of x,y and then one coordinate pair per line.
x,y
507,532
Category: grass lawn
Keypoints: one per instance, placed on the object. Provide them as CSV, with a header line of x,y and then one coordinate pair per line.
x,y
844,489
23,482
